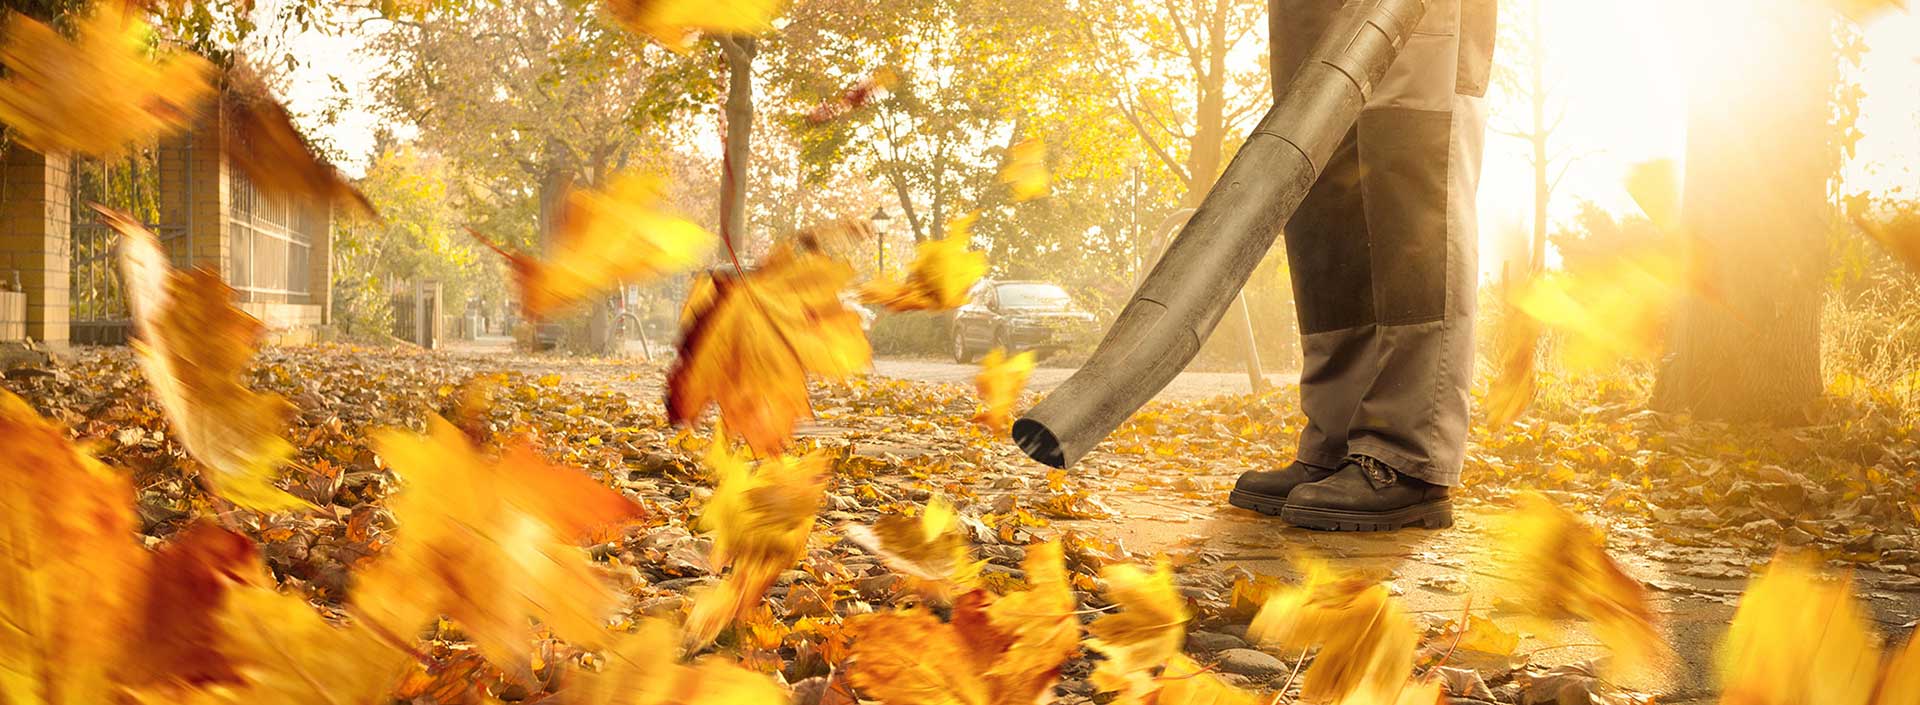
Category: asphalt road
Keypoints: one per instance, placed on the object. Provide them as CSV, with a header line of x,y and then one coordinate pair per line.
x,y
1187,386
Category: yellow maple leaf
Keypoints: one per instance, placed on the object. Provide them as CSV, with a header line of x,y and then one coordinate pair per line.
x,y
69,566
1039,624
1562,569
674,22
1799,638
490,542
641,669
999,384
748,343
928,547
1026,170
939,668
194,345
289,655
1149,628
99,92
603,237
760,518
1364,636
942,273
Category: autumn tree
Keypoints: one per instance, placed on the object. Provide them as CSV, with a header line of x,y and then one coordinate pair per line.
x,y
1523,75
1746,343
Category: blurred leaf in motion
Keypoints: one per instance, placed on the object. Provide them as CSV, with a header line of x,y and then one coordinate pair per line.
x,y
1146,632
748,342
1004,650
1364,636
1798,637
642,669
999,383
289,655
1187,683
1025,172
194,345
97,93
490,542
942,273
1612,310
192,577
70,567
673,23
1864,11
1515,379
859,96
760,516
605,237
263,142
1563,570
928,547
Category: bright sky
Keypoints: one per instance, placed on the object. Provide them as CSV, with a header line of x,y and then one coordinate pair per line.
x,y
1623,78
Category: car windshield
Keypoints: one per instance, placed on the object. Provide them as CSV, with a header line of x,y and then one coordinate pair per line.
x,y
1034,296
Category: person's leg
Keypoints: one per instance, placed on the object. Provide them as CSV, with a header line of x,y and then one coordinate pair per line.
x,y
1327,259
1418,149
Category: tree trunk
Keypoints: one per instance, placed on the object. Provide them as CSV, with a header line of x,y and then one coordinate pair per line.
x,y
1746,341
1542,189
739,147
1207,149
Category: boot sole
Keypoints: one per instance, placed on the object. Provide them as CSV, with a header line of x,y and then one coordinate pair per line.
x,y
1264,504
1437,514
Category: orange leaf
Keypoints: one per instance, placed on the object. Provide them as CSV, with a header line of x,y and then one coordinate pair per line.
x,y
601,238
1798,637
942,272
194,346
760,518
180,636
98,92
70,568
1365,638
642,669
929,547
490,543
1146,632
749,341
999,384
1562,568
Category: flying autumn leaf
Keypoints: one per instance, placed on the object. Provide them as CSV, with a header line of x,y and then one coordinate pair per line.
x,y
1563,570
1514,381
263,143
70,567
1003,650
194,345
748,342
855,98
604,237
189,583
289,655
1187,683
1900,679
97,93
999,384
1025,172
942,273
1901,242
490,542
673,23
1365,638
1146,632
642,669
928,547
760,518
1798,637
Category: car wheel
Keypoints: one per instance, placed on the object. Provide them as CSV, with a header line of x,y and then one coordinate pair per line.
x,y
961,354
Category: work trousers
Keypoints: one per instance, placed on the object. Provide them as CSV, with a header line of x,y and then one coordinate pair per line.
x,y
1382,250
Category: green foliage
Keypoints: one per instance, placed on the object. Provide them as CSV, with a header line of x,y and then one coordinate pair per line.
x,y
913,333
421,238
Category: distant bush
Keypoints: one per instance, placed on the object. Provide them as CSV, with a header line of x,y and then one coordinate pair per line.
x,y
914,333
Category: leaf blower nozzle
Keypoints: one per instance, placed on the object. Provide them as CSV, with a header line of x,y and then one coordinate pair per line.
x,y
1182,299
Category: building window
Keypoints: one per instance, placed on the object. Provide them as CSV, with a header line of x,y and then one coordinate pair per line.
x,y
272,240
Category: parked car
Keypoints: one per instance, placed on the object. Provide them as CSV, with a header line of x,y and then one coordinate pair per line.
x,y
1020,315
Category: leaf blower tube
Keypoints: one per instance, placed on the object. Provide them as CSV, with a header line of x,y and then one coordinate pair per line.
x,y
1183,298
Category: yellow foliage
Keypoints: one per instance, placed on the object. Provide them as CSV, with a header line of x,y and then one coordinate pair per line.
x,y
760,518
999,384
674,22
1146,632
942,273
1365,638
99,92
194,346
641,669
929,547
283,647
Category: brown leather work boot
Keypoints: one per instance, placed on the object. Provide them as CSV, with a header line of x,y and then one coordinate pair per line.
x,y
1367,495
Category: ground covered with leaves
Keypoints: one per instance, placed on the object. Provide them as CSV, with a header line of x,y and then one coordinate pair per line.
x,y
1711,502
